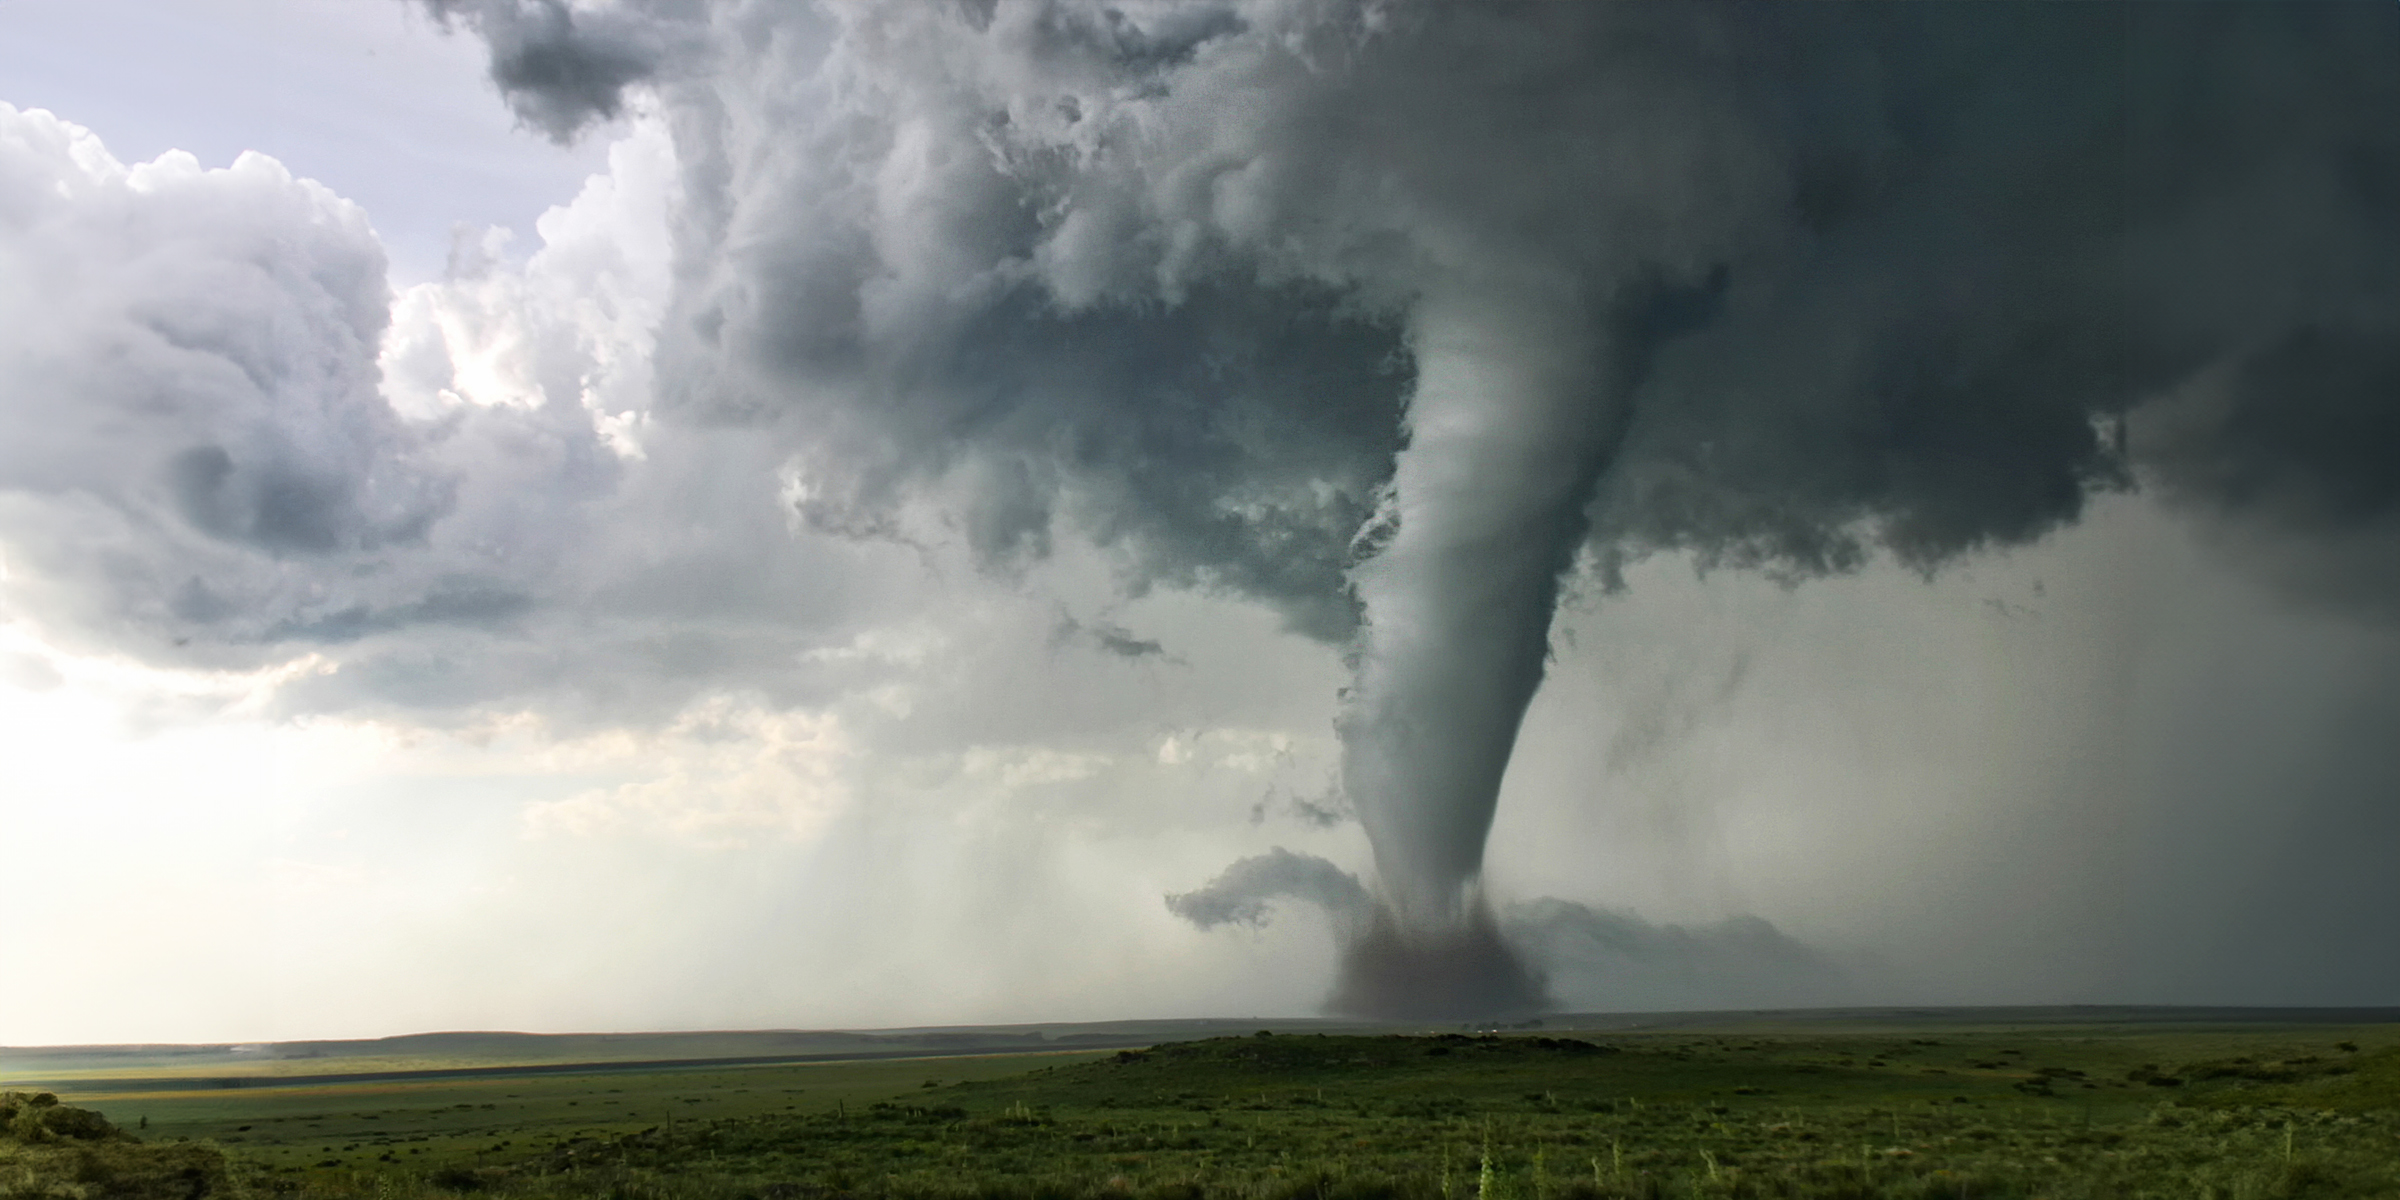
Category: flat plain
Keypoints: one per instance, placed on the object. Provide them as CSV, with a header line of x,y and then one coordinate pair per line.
x,y
2066,1103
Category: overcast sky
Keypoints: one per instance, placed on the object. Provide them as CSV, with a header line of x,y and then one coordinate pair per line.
x,y
657,515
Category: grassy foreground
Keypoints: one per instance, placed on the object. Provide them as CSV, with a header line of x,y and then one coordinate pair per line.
x,y
2059,1112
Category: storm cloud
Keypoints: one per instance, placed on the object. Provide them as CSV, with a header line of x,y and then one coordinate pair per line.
x,y
1890,275
1912,280
1389,315
1398,321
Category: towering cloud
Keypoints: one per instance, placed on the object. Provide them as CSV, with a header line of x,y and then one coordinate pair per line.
x,y
1390,315
190,359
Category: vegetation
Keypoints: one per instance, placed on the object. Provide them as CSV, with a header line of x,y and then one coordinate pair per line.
x,y
2229,1113
54,1150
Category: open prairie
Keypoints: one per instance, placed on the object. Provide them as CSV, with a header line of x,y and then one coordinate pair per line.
x,y
1890,1104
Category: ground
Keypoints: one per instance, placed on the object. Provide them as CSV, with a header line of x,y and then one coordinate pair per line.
x,y
1738,1108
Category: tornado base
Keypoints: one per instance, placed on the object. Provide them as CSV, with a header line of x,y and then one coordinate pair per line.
x,y
1461,972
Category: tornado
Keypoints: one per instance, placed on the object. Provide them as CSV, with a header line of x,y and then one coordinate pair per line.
x,y
1139,274
1508,426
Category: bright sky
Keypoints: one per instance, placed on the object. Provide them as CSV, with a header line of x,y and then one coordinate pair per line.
x,y
564,707
380,107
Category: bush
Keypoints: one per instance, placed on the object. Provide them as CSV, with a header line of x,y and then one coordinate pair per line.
x,y
38,1117
54,1149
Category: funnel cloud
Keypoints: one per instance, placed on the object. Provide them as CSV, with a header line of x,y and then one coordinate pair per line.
x,y
1397,318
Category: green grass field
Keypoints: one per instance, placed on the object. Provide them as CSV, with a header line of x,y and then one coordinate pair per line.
x,y
443,1122
1943,1110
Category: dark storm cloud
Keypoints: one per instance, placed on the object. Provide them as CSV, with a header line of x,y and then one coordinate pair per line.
x,y
1231,442
1384,314
2112,208
562,68
1916,278
1149,262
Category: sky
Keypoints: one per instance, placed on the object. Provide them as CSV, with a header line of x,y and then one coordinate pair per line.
x,y
648,514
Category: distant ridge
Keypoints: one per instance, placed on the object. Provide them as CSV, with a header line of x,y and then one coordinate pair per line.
x,y
468,1054
2011,1015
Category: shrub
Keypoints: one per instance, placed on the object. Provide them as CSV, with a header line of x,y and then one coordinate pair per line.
x,y
38,1117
